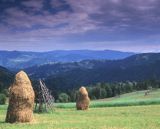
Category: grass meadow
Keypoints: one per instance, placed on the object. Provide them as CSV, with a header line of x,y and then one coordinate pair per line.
x,y
142,112
130,99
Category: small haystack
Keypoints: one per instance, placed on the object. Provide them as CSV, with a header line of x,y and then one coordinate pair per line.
x,y
21,100
83,99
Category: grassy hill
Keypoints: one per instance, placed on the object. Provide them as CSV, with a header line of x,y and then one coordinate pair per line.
x,y
130,99
99,117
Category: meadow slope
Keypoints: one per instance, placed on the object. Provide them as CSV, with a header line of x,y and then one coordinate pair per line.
x,y
104,115
129,99
132,117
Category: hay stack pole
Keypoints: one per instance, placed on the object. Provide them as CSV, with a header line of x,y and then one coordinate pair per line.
x,y
21,100
83,99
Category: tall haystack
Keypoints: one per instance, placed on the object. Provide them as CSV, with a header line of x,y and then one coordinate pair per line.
x,y
21,100
83,99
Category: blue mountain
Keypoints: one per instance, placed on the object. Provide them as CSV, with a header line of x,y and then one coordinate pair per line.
x,y
21,59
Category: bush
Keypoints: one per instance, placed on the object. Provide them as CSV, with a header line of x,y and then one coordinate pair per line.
x,y
63,97
5,92
3,99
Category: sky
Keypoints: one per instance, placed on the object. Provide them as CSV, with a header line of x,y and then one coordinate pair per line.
x,y
46,25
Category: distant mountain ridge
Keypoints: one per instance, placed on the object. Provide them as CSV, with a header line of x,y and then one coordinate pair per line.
x,y
21,59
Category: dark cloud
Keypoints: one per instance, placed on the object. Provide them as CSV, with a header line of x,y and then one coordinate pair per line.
x,y
46,16
82,15
83,19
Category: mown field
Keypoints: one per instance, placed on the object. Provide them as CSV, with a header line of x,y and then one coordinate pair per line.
x,y
65,116
130,99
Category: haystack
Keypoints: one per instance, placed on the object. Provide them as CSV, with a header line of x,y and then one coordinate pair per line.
x,y
21,100
83,99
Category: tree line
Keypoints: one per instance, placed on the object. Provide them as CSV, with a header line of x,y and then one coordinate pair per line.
x,y
106,90
96,91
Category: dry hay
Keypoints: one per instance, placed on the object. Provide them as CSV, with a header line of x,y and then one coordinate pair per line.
x,y
21,100
83,99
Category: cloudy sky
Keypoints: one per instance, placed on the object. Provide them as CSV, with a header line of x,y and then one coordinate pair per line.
x,y
45,25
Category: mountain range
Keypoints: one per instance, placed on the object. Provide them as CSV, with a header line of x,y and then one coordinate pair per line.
x,y
63,75
74,74
21,59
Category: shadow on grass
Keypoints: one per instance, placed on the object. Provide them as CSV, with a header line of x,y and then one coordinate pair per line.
x,y
2,122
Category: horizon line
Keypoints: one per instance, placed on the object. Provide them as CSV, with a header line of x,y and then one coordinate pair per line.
x,y
41,51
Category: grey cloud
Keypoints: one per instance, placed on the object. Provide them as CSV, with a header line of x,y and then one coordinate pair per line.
x,y
34,5
83,16
21,22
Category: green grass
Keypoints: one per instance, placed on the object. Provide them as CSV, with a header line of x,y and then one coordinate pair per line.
x,y
104,115
130,99
132,117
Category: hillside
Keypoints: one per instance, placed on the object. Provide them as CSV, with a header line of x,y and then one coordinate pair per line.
x,y
6,77
20,59
71,75
64,76
128,99
135,96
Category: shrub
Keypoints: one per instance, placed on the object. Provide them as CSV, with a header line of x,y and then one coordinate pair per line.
x,y
5,92
63,97
3,99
